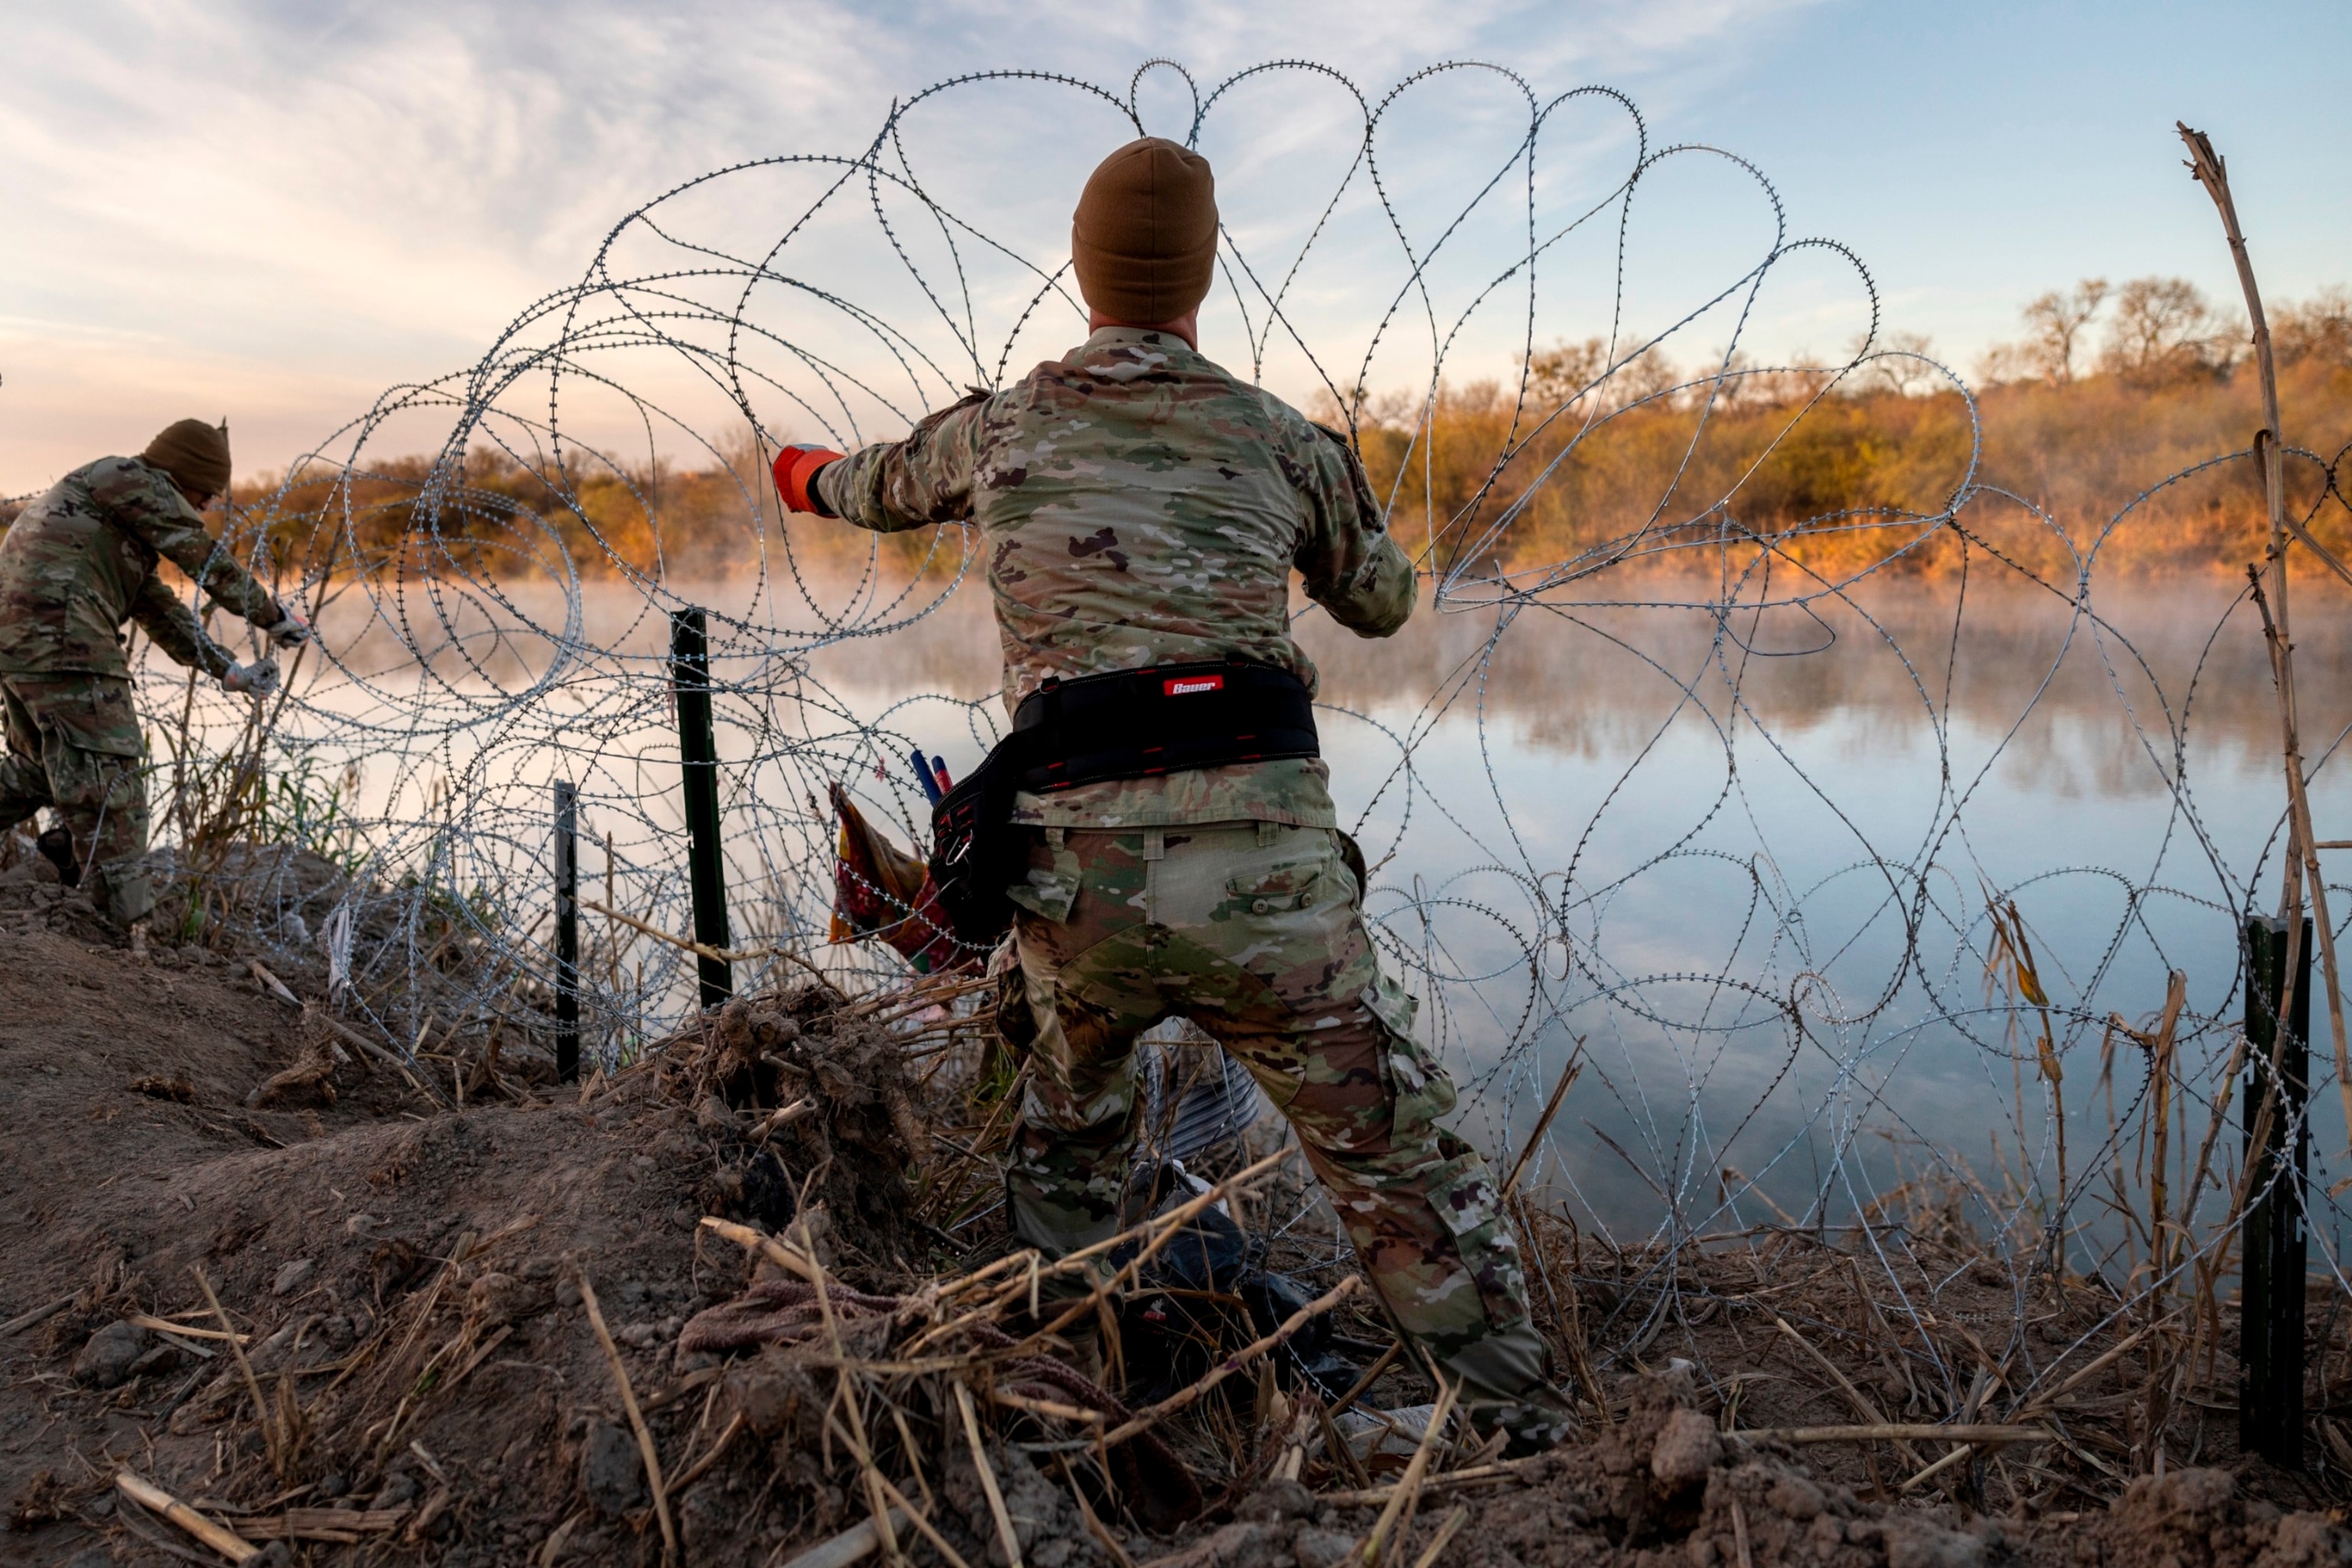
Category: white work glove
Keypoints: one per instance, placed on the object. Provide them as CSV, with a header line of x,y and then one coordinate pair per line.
x,y
260,678
292,631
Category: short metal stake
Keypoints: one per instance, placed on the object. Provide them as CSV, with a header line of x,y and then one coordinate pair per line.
x,y
567,932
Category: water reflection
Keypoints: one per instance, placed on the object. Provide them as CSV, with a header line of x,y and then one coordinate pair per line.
x,y
1770,870
1744,858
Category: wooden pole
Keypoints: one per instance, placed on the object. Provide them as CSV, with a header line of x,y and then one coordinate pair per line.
x,y
698,749
567,932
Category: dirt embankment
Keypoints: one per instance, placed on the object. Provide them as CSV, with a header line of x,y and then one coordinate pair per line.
x,y
1662,1487
137,1162
410,1273
423,1382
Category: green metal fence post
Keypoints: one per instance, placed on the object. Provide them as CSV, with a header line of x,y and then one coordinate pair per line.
x,y
2275,1244
698,749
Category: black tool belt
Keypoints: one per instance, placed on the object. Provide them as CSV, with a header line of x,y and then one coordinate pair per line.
x,y
1127,724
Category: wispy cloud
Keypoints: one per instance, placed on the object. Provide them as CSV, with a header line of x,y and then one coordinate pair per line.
x,y
290,206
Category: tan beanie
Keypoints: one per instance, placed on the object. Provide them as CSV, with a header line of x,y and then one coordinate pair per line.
x,y
1144,240
193,453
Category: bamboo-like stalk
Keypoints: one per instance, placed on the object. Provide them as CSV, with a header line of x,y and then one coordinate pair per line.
x,y
2159,1078
245,1367
1443,1539
155,1500
646,1449
1407,1491
2302,855
1862,1402
899,1504
1186,1397
1904,1431
2010,947
1567,1075
2160,1228
856,1543
1094,1526
1004,1530
703,950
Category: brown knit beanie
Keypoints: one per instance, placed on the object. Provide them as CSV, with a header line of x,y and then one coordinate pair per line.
x,y
193,453
1144,240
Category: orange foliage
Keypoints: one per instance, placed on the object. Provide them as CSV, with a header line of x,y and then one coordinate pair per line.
x,y
1588,468
1834,483
495,518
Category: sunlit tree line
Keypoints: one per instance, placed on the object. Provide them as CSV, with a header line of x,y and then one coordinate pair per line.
x,y
1602,455
1596,454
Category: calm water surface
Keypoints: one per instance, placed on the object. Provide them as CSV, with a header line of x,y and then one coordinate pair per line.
x,y
1745,861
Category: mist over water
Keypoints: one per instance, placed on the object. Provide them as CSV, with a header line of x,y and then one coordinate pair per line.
x,y
1745,858
1773,841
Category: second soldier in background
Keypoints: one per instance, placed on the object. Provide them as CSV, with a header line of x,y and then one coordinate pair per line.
x,y
76,566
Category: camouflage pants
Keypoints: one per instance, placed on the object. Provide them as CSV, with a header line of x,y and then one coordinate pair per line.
x,y
74,745
1256,932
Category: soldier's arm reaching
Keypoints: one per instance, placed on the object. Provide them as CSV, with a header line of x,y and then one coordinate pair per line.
x,y
1352,568
143,503
893,485
175,629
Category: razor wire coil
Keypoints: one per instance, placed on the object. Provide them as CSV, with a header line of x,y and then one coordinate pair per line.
x,y
460,671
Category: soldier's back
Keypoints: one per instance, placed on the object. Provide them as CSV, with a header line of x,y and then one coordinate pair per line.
x,y
1140,505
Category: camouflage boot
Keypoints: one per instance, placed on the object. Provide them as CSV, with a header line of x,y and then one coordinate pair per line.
x,y
1504,1388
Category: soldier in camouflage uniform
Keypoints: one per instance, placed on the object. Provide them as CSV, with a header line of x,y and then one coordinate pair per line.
x,y
1138,505
77,565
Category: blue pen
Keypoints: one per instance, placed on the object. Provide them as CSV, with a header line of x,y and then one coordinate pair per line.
x,y
923,776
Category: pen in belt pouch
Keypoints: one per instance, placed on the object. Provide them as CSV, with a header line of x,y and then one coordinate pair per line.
x,y
932,790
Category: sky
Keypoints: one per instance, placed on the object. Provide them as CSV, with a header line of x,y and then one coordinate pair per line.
x,y
273,212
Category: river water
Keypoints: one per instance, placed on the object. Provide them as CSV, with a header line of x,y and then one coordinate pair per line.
x,y
1739,865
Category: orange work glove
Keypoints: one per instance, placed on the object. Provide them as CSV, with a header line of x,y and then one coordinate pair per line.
x,y
796,468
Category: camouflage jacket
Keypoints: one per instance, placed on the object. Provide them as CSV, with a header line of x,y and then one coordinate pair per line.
x,y
81,561
1140,505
